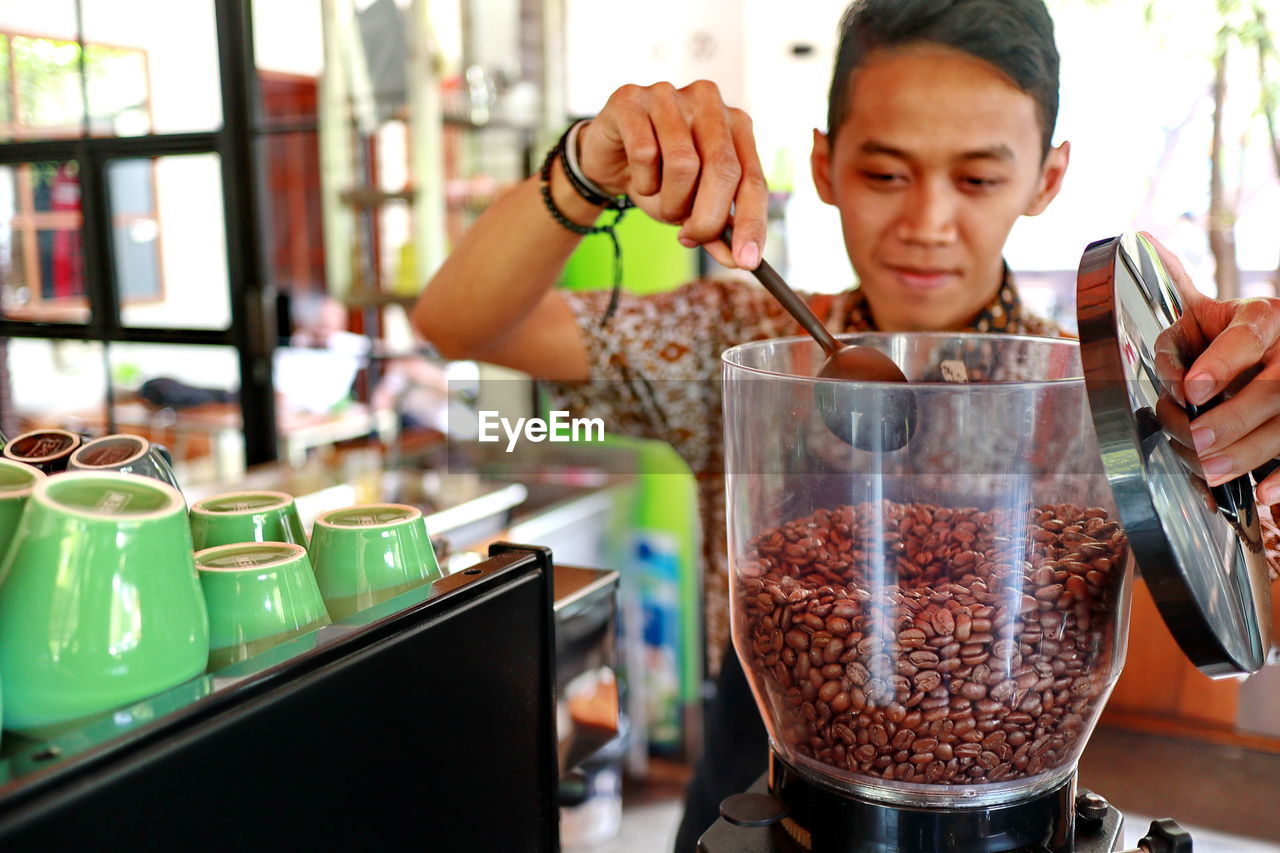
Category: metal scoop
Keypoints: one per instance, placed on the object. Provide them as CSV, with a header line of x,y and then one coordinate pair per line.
x,y
880,421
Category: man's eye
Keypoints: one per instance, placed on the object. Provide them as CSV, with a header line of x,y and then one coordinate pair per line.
x,y
887,179
974,183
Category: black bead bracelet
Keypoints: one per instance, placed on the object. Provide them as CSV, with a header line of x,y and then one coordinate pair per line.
x,y
618,205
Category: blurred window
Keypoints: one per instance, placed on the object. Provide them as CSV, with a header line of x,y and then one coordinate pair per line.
x,y
47,83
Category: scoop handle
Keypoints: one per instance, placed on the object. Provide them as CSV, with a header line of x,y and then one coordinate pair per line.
x,y
790,300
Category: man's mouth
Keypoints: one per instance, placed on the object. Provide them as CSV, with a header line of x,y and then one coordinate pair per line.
x,y
922,278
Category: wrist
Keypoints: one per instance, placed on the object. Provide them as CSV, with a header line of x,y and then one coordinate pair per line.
x,y
570,202
573,146
569,147
589,199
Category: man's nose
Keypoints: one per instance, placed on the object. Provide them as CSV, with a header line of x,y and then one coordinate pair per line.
x,y
928,215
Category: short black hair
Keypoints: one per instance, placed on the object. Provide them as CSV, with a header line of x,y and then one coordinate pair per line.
x,y
1016,36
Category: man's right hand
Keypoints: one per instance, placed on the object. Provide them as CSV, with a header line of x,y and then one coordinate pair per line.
x,y
686,158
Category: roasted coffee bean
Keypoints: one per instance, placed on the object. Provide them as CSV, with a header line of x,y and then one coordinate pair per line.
x,y
927,680
911,638
923,658
840,627
943,622
950,650
857,673
1004,691
956,674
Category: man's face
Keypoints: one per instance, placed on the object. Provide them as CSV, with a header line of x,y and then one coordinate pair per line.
x,y
938,156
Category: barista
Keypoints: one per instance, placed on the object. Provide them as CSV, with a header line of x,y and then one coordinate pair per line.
x,y
938,138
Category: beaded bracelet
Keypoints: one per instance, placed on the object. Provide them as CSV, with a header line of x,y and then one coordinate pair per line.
x,y
618,205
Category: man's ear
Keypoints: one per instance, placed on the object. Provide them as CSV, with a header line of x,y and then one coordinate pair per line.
x,y
820,164
1055,166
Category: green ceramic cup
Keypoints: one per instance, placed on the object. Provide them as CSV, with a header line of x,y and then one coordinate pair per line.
x,y
236,517
16,482
364,555
100,605
258,594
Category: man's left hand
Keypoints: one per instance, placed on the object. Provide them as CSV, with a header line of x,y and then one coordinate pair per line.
x,y
1243,353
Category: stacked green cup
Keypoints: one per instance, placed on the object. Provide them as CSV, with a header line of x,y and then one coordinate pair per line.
x,y
258,594
100,605
16,482
364,555
255,516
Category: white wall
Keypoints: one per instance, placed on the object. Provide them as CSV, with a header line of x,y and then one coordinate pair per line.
x,y
182,50
786,95
288,36
193,251
608,44
48,18
49,378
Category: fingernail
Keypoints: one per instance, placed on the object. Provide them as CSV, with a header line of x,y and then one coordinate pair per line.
x,y
1268,494
1217,465
1203,439
749,257
686,242
1200,387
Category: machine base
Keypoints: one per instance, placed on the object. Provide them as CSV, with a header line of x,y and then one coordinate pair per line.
x,y
794,815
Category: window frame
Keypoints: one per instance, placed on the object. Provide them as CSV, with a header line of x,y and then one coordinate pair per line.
x,y
252,327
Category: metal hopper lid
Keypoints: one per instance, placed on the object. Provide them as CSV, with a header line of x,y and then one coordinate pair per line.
x,y
1199,549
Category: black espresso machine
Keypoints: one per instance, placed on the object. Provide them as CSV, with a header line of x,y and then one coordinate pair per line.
x,y
397,727
931,627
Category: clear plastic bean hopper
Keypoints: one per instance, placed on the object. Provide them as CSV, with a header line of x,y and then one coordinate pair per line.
x,y
931,604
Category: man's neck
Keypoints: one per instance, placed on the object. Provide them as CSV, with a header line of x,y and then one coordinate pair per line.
x,y
966,320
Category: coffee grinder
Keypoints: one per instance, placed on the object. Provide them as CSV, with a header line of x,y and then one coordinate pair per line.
x,y
931,628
